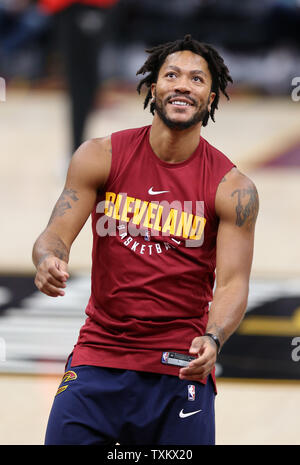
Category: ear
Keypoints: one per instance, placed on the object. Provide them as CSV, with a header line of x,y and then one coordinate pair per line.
x,y
210,100
153,87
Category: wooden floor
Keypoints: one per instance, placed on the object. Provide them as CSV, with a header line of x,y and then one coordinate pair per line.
x,y
34,154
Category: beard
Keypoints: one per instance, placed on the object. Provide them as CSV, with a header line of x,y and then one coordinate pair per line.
x,y
179,125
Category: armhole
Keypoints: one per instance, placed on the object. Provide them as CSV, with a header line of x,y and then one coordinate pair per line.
x,y
113,168
222,175
224,169
120,143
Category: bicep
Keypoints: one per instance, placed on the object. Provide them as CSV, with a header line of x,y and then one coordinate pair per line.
x,y
88,171
237,204
234,253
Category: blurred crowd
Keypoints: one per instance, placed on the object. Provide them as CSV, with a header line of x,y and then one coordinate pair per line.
x,y
88,41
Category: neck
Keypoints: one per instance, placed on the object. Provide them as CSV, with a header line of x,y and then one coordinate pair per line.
x,y
173,146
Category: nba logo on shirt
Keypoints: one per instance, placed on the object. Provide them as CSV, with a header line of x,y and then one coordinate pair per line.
x,y
191,392
165,357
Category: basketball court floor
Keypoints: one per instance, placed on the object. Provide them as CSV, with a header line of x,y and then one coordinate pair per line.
x,y
261,135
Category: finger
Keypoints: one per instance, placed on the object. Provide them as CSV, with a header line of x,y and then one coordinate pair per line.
x,y
50,290
57,273
199,377
51,294
56,282
196,346
63,267
194,367
200,373
41,281
199,365
193,371
202,359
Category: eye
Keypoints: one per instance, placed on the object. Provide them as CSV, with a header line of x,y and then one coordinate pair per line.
x,y
198,78
170,74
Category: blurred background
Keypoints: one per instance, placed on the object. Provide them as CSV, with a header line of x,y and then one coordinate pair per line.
x,y
68,73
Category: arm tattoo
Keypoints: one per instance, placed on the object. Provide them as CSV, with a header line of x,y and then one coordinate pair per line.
x,y
56,247
63,203
61,252
247,206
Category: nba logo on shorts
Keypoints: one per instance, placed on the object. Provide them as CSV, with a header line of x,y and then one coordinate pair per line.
x,y
191,392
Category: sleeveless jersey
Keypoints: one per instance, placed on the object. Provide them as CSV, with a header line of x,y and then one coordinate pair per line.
x,y
154,255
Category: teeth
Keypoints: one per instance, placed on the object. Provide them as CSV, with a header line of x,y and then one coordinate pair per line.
x,y
177,102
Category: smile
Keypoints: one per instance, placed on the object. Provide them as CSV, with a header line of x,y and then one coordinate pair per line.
x,y
183,104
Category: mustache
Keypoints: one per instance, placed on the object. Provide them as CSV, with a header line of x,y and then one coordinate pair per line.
x,y
187,97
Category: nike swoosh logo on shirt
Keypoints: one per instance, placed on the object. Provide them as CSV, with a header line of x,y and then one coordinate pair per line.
x,y
184,415
152,192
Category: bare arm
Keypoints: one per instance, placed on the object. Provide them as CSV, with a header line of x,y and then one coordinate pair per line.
x,y
237,207
88,171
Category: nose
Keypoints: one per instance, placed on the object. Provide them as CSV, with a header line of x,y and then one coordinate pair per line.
x,y
182,85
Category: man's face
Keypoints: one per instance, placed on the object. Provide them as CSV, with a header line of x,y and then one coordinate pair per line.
x,y
182,91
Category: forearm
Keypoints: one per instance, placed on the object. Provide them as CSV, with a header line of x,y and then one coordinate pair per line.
x,y
227,309
49,244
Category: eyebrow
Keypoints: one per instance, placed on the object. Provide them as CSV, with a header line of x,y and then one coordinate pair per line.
x,y
194,71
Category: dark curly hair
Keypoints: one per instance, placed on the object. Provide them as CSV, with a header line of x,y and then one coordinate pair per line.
x,y
219,71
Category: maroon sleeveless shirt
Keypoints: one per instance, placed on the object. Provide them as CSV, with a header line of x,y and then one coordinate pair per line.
x,y
154,255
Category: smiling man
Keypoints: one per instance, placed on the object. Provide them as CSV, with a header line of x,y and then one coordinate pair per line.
x,y
169,212
182,105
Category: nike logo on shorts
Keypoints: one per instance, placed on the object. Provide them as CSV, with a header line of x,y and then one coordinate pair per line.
x,y
184,415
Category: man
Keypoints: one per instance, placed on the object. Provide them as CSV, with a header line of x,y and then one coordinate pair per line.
x,y
168,209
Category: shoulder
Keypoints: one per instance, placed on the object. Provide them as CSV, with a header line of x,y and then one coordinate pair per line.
x,y
100,146
237,199
124,137
219,164
92,161
131,132
235,179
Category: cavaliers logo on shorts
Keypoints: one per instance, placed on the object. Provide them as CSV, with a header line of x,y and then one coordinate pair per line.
x,y
68,376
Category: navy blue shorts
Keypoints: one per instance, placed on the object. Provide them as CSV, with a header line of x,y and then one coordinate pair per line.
x,y
105,406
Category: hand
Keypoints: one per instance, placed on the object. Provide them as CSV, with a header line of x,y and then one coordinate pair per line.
x,y
52,274
206,350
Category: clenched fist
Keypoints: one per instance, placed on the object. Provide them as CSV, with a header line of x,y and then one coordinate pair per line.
x,y
52,274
